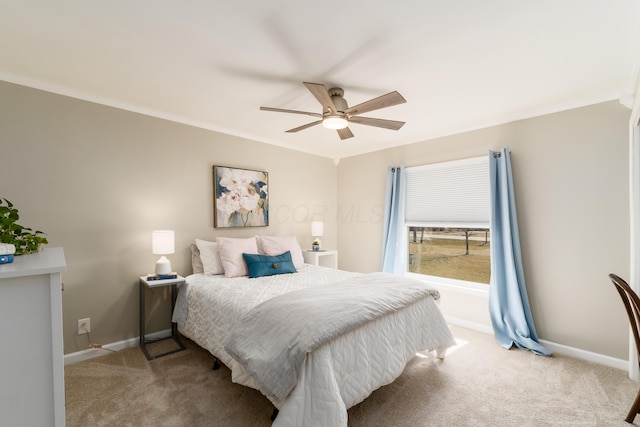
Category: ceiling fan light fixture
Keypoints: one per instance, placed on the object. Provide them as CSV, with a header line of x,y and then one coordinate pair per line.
x,y
334,122
337,115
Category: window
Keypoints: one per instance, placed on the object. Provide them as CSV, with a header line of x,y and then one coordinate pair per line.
x,y
447,219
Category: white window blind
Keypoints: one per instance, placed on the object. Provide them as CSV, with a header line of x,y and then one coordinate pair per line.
x,y
450,194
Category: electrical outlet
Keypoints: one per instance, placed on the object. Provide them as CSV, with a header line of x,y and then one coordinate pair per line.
x,y
84,326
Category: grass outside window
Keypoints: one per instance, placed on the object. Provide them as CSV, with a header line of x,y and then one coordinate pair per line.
x,y
454,253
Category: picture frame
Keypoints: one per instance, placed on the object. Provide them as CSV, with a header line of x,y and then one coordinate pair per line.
x,y
240,197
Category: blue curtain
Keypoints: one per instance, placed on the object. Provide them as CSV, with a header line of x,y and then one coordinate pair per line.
x,y
394,238
508,302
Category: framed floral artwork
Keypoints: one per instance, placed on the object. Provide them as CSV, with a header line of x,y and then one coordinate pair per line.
x,y
241,197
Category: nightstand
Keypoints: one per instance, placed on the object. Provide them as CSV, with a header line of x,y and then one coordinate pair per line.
x,y
324,258
152,284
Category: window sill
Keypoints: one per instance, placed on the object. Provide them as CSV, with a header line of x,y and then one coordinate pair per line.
x,y
460,286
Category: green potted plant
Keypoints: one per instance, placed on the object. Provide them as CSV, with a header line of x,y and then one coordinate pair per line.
x,y
23,238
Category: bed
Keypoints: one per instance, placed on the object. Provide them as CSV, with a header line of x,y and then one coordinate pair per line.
x,y
217,304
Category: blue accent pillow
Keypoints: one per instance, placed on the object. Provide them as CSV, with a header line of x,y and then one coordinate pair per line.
x,y
268,265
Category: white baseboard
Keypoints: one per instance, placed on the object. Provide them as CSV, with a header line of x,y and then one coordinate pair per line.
x,y
587,355
554,347
90,353
474,326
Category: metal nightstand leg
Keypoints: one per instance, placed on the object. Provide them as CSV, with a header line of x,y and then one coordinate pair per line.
x,y
174,326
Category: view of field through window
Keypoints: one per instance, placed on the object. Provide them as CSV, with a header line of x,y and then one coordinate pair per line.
x,y
455,253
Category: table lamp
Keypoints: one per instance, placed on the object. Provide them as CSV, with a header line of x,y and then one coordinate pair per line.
x,y
317,231
162,242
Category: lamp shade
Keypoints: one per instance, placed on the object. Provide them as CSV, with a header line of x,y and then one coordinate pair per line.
x,y
162,242
317,228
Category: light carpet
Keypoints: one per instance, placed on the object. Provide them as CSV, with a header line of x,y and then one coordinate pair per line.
x,y
478,384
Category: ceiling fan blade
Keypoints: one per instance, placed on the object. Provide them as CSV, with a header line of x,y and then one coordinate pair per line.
x,y
303,127
282,110
381,123
345,133
322,95
384,101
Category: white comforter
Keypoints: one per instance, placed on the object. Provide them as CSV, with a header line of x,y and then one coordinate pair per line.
x,y
335,376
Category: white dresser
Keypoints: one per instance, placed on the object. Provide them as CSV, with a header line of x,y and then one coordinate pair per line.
x,y
31,351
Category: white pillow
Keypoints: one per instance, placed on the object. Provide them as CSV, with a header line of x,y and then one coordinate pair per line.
x,y
231,250
210,257
196,261
276,245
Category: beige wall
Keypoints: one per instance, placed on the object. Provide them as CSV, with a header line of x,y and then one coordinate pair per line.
x,y
98,180
571,180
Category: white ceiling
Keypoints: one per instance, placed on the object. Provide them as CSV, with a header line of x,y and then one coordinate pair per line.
x,y
461,64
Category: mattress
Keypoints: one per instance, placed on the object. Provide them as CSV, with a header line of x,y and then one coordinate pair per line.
x,y
335,376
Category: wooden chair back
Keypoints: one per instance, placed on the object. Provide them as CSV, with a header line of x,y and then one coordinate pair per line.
x,y
632,304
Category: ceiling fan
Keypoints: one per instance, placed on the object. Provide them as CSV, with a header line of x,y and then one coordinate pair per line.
x,y
336,114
